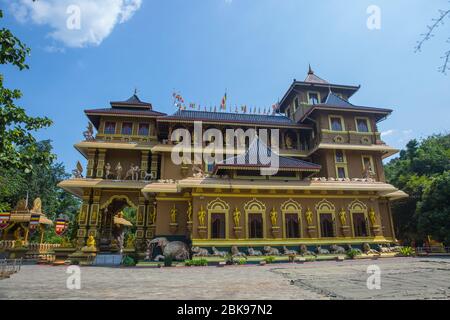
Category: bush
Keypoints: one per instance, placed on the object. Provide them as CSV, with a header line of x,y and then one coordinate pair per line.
x,y
128,261
188,263
200,262
168,261
240,261
353,253
406,251
269,259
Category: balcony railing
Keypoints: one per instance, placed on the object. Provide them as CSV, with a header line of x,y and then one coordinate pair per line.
x,y
349,137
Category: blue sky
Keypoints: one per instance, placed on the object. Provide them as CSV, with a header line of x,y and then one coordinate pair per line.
x,y
253,48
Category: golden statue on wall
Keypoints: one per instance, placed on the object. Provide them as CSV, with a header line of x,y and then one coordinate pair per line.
x,y
273,216
173,215
201,216
343,217
309,216
189,212
237,217
153,216
372,216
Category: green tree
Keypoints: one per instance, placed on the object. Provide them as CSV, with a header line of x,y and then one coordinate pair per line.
x,y
434,209
415,171
18,148
40,182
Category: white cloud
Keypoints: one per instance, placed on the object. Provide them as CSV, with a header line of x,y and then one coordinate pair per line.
x,y
97,19
387,133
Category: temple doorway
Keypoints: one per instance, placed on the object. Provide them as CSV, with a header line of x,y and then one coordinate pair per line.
x,y
116,225
326,225
359,224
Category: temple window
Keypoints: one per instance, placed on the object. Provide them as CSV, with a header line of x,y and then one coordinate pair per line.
x,y
110,127
296,103
255,226
218,226
341,172
143,129
341,164
340,156
127,128
362,125
292,226
313,97
336,123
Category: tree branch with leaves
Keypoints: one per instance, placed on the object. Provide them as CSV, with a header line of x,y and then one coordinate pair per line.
x,y
17,145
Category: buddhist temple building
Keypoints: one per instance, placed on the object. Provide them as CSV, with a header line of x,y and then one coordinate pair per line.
x,y
329,187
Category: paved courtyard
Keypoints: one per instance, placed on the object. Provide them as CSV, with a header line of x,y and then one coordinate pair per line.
x,y
401,278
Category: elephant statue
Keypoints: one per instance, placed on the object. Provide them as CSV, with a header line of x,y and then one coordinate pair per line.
x,y
177,250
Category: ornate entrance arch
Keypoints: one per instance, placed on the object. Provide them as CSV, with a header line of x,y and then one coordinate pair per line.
x,y
358,210
327,209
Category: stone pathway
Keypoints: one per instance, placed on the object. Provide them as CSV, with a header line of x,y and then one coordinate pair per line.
x,y
401,278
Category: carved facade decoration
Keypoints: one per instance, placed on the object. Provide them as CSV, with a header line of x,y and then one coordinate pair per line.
x,y
173,214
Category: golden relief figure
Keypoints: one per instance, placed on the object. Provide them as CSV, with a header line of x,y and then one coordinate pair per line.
x,y
343,217
201,216
189,212
82,214
273,216
372,216
309,216
237,217
173,215
153,216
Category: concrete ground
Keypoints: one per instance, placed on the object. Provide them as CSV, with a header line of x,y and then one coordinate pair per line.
x,y
401,278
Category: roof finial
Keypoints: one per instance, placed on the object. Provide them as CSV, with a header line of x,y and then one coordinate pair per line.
x,y
135,91
310,71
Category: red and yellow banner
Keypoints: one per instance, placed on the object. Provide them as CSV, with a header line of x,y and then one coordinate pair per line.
x,y
4,219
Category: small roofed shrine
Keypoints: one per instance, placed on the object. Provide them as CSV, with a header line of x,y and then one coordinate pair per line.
x,y
22,222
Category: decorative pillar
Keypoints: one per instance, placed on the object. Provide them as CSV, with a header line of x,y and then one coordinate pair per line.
x,y
91,163
140,222
83,218
144,163
94,216
150,222
154,165
298,141
283,144
101,163
169,136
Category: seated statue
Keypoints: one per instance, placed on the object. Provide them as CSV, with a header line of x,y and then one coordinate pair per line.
x,y
90,242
